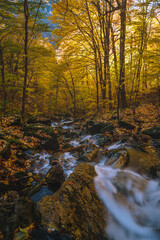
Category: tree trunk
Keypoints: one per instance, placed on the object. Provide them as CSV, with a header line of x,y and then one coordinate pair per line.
x,y
3,81
26,15
122,94
107,60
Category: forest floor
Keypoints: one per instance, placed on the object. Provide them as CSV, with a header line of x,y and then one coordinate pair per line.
x,y
147,116
14,141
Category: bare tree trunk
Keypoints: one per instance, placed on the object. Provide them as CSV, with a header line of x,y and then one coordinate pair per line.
x,y
3,80
97,84
107,59
114,54
26,15
122,94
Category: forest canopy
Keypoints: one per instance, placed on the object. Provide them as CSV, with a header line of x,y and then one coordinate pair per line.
x,y
100,55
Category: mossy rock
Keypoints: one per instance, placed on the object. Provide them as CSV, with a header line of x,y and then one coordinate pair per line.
x,y
48,130
101,127
76,206
153,132
126,125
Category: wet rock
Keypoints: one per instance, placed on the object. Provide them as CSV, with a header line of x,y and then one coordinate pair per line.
x,y
16,212
34,190
43,234
122,179
118,158
142,161
70,134
6,152
153,132
93,156
67,122
55,177
138,146
126,125
53,160
154,172
20,182
100,128
50,143
103,140
76,206
83,158
42,120
156,144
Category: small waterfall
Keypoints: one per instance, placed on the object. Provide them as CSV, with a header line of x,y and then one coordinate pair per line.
x,y
132,203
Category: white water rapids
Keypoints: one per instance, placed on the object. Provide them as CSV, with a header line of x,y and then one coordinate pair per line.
x,y
132,203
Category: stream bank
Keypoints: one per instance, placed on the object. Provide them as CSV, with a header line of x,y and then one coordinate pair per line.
x,y
71,144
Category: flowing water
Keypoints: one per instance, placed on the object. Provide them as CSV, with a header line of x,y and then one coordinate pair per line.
x,y
132,200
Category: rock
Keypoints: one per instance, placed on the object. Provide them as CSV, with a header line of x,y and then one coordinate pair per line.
x,y
67,122
103,140
42,120
156,144
153,132
16,212
20,182
68,134
55,177
93,156
76,207
118,158
141,161
126,125
83,158
6,152
50,143
43,234
34,190
154,172
100,128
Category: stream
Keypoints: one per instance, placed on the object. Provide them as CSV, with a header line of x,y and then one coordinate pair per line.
x,y
130,196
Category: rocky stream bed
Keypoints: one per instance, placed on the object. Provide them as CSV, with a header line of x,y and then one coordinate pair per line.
x,y
86,182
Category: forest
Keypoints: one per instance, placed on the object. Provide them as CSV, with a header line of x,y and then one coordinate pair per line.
x,y
86,56
79,119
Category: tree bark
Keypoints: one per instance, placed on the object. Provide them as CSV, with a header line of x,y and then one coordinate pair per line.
x,y
3,80
121,92
26,15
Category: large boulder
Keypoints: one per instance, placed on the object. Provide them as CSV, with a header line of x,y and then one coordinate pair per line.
x,y
16,212
118,158
50,143
55,177
43,234
100,127
126,125
76,207
153,132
